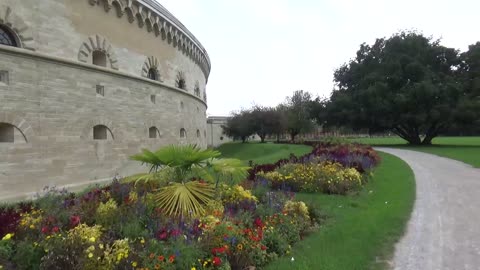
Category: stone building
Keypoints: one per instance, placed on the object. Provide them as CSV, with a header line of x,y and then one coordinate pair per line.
x,y
215,136
84,84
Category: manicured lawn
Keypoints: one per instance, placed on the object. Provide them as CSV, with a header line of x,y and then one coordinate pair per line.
x,y
262,153
465,149
360,230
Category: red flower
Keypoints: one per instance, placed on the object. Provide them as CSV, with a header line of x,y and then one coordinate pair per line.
x,y
217,261
220,250
171,259
55,229
258,222
45,230
161,258
264,248
74,221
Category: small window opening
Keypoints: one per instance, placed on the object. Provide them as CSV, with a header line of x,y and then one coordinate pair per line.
x,y
99,58
198,133
152,74
100,132
7,133
6,37
153,99
153,133
101,90
4,76
183,133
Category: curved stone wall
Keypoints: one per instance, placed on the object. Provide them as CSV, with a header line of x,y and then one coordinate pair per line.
x,y
53,95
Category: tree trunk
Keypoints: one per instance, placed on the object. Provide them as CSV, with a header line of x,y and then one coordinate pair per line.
x,y
244,138
292,136
262,139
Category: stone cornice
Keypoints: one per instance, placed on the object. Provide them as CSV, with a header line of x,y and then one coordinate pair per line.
x,y
153,16
48,58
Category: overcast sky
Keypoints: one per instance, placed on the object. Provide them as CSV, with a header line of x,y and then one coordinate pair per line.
x,y
263,50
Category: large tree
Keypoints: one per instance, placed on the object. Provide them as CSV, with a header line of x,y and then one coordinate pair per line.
x,y
239,126
468,112
267,121
297,113
407,84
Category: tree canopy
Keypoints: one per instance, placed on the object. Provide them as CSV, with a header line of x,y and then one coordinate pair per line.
x,y
408,84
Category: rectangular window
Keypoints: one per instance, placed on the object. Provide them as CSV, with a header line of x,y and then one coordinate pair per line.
x,y
4,77
152,99
101,90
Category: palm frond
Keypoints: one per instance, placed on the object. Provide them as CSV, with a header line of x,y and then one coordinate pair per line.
x,y
184,199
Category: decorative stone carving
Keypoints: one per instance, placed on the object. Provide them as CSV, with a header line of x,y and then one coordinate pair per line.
x,y
22,32
98,43
151,63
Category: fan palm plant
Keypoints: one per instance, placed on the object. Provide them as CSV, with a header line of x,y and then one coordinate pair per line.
x,y
180,164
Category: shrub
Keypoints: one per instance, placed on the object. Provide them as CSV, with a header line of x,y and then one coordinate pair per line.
x,y
107,213
331,178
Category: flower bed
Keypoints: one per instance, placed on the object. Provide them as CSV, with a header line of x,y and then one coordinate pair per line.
x,y
122,226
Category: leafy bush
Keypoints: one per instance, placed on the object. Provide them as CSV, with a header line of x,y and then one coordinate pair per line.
x,y
331,178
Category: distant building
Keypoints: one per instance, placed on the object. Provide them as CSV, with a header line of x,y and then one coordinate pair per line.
x,y
215,136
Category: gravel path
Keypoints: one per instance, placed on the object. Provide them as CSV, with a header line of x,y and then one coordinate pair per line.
x,y
444,230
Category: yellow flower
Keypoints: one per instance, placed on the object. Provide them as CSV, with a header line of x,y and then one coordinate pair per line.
x,y
90,255
239,246
92,239
32,226
134,264
8,236
193,268
142,241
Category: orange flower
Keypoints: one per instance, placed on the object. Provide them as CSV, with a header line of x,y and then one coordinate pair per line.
x,y
161,258
171,259
152,255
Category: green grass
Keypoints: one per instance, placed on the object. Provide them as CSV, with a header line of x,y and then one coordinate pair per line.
x,y
262,153
361,230
465,149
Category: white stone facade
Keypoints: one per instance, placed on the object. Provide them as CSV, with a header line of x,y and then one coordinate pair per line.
x,y
52,95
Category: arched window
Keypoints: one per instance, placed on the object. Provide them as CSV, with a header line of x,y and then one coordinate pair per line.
x,y
198,133
153,133
7,133
101,132
183,133
6,37
99,58
152,74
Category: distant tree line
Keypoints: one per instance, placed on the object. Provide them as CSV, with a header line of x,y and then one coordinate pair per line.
x,y
292,117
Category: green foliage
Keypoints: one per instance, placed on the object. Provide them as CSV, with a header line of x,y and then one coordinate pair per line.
x,y
107,213
267,121
406,84
239,126
185,199
28,256
133,229
180,158
298,116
